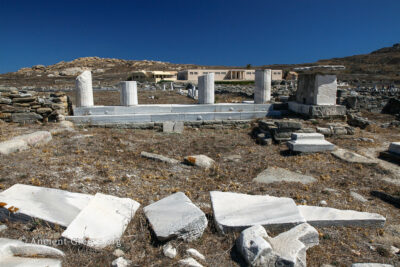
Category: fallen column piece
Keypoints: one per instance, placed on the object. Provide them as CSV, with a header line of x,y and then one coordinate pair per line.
x,y
309,142
22,142
24,202
176,216
102,222
17,253
286,249
235,212
158,157
323,216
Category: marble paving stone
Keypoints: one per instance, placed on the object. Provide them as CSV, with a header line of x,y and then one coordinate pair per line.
x,y
52,205
324,216
276,175
352,157
176,216
235,212
17,253
102,222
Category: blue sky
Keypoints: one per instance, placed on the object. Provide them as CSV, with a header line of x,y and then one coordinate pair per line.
x,y
233,33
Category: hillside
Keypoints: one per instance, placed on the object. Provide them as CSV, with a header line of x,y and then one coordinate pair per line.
x,y
380,66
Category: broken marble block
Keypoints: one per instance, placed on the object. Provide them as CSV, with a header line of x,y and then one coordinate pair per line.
x,y
286,249
17,253
235,212
24,202
352,157
102,222
309,142
394,148
324,216
176,217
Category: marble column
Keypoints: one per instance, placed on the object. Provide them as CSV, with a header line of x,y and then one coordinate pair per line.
x,y
262,92
84,90
206,89
129,93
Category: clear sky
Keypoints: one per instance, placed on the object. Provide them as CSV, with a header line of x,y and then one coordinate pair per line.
x,y
207,32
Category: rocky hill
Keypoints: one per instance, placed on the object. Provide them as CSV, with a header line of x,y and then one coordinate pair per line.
x,y
380,66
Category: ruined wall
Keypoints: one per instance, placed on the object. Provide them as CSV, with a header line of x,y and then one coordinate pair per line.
x,y
29,106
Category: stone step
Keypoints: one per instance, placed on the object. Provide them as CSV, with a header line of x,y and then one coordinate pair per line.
x,y
162,117
307,136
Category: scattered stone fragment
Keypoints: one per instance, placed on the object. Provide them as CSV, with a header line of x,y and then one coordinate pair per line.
x,y
118,253
3,227
201,161
176,217
275,174
323,217
189,262
121,262
102,222
352,157
17,253
159,158
195,254
371,265
27,117
358,197
23,142
173,126
169,251
394,250
309,142
286,249
235,212
13,145
323,203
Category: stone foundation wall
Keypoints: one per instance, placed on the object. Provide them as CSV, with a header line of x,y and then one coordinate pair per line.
x,y
29,107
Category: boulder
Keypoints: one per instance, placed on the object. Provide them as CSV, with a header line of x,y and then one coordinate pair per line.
x,y
169,251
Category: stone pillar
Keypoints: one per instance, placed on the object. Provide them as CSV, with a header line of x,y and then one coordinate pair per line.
x,y
206,89
172,86
163,87
262,92
129,93
84,90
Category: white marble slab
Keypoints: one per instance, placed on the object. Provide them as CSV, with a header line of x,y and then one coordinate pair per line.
x,y
323,216
235,212
102,222
52,205
394,148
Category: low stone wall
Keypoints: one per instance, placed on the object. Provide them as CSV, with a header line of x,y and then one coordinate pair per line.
x,y
29,106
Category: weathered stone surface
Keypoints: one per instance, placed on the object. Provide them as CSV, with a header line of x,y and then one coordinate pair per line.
x,y
28,117
235,212
189,262
169,251
102,222
394,148
173,126
206,89
23,142
309,142
3,227
324,216
262,91
286,249
52,205
352,157
201,161
371,265
121,262
84,90
5,100
13,145
176,217
159,158
129,93
17,253
316,89
358,197
276,175
195,254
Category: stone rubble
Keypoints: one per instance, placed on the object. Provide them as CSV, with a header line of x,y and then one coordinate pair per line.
x,y
189,262
195,254
169,251
286,249
176,216
121,262
23,142
159,158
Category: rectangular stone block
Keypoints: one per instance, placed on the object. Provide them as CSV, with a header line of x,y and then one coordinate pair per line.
x,y
394,148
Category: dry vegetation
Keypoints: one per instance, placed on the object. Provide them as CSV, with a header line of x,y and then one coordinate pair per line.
x,y
92,160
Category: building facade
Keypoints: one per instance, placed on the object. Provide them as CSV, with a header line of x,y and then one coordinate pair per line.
x,y
153,76
225,74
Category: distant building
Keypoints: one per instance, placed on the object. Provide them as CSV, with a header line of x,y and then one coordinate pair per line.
x,y
291,75
153,76
225,74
